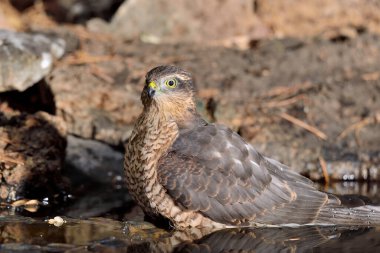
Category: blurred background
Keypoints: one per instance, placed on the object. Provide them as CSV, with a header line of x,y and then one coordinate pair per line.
x,y
299,80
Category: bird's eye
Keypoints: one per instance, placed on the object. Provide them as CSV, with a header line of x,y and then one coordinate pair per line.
x,y
171,83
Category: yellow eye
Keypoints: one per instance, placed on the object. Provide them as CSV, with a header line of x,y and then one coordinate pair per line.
x,y
171,83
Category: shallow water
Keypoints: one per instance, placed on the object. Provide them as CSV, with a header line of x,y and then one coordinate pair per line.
x,y
23,231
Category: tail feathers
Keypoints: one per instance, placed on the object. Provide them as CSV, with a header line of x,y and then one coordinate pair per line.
x,y
366,215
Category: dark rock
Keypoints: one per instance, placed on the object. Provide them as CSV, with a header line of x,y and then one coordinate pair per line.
x,y
35,98
31,155
22,5
26,58
79,11
102,201
95,161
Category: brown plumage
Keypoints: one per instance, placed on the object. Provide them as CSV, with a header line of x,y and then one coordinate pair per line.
x,y
198,174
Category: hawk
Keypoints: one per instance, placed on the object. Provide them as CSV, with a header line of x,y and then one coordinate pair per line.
x,y
198,174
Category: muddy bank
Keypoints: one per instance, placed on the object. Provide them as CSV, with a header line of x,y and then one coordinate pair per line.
x,y
32,154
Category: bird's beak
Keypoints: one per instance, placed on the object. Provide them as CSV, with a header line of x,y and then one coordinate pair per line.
x,y
152,87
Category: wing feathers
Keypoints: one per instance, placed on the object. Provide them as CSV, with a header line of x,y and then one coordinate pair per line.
x,y
212,170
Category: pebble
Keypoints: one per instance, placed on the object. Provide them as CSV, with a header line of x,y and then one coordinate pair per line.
x,y
57,221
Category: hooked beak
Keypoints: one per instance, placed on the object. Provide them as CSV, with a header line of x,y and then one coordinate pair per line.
x,y
152,87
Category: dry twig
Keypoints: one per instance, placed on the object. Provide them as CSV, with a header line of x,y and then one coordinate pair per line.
x,y
287,91
102,74
81,57
304,125
326,176
359,125
285,102
373,76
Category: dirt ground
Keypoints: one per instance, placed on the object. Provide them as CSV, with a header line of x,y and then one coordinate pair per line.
x,y
299,81
307,103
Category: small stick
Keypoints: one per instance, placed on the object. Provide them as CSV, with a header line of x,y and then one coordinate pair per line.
x,y
84,58
304,125
284,90
358,125
326,176
285,102
102,74
373,76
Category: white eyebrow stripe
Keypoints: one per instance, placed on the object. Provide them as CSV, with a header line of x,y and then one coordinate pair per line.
x,y
181,76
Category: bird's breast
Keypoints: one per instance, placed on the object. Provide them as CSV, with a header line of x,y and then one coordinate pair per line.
x,y
150,140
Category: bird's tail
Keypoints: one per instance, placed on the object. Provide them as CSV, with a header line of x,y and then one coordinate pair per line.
x,y
367,215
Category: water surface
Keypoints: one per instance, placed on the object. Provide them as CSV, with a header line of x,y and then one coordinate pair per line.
x,y
118,227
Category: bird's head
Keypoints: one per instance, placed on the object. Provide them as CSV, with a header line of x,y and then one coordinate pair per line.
x,y
170,90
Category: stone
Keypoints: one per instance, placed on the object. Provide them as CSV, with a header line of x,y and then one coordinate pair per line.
x,y
185,21
32,150
78,11
94,103
95,161
26,58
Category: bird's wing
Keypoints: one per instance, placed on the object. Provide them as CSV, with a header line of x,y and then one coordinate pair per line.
x,y
212,170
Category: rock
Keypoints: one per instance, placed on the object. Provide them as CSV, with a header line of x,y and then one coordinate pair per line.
x,y
22,5
185,21
79,11
26,58
95,161
101,201
101,105
32,150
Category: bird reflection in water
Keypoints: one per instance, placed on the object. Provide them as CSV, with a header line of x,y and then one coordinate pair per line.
x,y
300,239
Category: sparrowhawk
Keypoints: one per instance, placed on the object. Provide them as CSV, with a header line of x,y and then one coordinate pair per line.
x,y
199,174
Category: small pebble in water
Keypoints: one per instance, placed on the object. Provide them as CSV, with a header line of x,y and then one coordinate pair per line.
x,y
118,178
348,177
57,221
